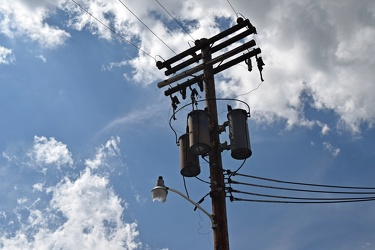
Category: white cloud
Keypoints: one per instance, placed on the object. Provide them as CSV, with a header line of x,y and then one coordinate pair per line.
x,y
141,200
110,149
325,129
304,41
38,187
113,14
93,219
135,117
305,46
50,152
81,212
42,58
28,18
6,56
332,150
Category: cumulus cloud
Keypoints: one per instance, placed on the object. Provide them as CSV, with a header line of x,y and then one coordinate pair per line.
x,y
80,212
307,52
305,46
50,152
92,215
110,149
28,18
6,56
199,19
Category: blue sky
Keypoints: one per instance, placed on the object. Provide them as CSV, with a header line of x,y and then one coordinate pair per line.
x,y
85,130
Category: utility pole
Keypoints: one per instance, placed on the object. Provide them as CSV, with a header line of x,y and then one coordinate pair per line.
x,y
207,48
219,212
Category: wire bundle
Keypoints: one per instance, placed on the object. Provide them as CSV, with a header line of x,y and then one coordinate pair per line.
x,y
293,192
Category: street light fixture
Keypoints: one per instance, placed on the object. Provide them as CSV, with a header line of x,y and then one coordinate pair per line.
x,y
160,192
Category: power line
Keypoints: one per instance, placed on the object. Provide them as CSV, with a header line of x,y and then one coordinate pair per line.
x,y
231,190
295,189
298,202
298,183
147,26
232,8
113,31
187,32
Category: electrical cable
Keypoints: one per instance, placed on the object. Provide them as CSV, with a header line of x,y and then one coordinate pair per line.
x,y
187,193
257,87
200,225
147,27
175,19
300,198
232,8
295,189
113,31
199,179
243,163
301,183
297,202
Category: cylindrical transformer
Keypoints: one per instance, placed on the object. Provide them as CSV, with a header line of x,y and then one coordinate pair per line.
x,y
199,133
189,162
239,134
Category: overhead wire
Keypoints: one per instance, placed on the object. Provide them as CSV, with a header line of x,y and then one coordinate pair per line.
x,y
146,26
242,164
231,190
232,8
300,183
187,32
252,90
112,30
295,189
302,200
186,190
298,202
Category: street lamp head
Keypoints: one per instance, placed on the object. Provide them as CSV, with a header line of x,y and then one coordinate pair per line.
x,y
160,191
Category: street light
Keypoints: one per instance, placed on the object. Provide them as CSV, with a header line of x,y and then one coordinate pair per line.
x,y
160,192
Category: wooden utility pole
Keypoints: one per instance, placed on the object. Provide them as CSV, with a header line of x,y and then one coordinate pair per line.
x,y
219,212
207,48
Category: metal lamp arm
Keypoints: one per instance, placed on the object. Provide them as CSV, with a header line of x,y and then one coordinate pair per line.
x,y
195,204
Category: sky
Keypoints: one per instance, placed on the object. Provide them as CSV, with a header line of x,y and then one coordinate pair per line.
x,y
85,130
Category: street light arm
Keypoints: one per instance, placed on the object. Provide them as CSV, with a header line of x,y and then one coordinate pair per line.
x,y
195,204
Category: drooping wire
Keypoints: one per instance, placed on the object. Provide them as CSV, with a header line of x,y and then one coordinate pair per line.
x,y
252,90
295,189
200,226
113,31
301,183
147,26
187,32
187,193
231,190
238,169
297,202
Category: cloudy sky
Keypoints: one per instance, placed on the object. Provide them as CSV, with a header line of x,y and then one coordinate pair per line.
x,y
85,133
